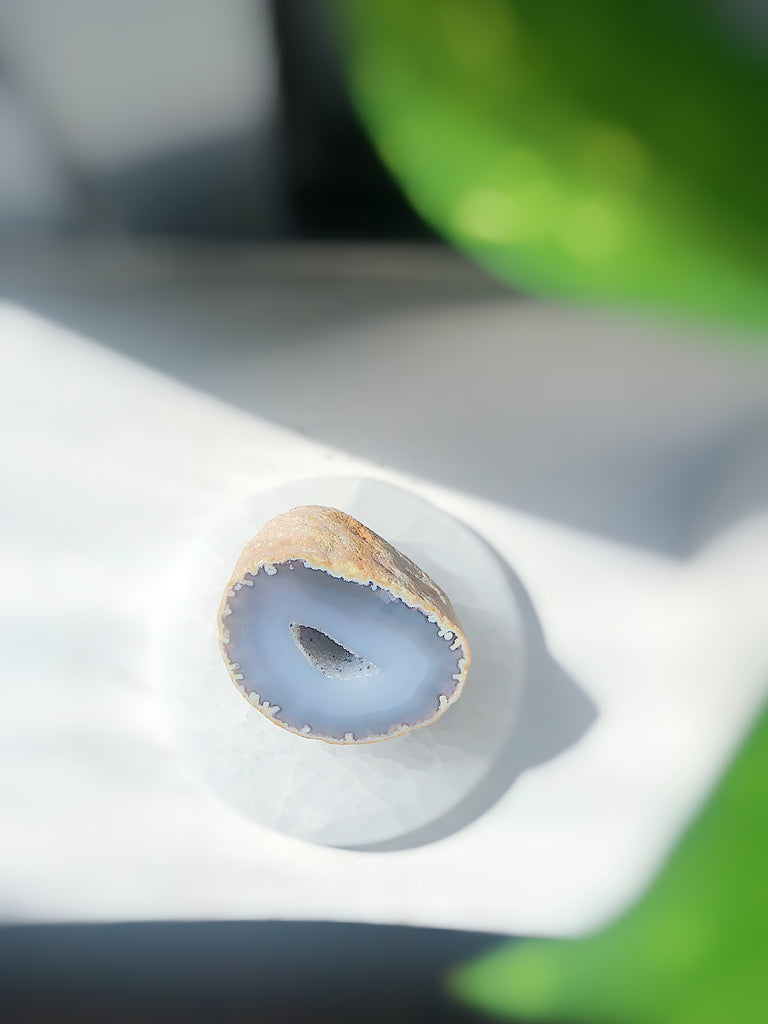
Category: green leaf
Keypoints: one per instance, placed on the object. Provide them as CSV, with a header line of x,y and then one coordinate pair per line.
x,y
694,950
592,151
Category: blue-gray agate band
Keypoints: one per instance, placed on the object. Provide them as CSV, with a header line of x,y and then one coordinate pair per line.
x,y
335,635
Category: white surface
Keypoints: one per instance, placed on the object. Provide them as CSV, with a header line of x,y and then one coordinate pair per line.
x,y
111,471
344,796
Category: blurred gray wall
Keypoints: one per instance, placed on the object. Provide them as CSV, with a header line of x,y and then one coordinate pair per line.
x,y
148,113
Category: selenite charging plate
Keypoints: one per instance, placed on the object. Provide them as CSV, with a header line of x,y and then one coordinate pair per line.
x,y
344,795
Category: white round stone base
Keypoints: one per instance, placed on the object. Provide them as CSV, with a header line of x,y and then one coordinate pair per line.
x,y
343,795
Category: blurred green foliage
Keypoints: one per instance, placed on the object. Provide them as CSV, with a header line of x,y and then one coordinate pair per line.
x,y
593,150
694,950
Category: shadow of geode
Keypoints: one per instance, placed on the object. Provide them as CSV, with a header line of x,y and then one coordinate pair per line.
x,y
553,714
519,708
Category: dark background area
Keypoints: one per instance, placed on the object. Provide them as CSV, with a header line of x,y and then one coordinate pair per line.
x,y
336,185
277,972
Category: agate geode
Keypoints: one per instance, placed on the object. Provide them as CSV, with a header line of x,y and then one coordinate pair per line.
x,y
335,635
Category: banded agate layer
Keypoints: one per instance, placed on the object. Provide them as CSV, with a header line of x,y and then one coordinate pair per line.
x,y
335,635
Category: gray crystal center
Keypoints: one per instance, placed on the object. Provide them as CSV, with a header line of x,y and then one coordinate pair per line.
x,y
328,656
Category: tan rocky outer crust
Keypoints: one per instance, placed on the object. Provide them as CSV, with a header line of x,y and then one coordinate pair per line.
x,y
334,542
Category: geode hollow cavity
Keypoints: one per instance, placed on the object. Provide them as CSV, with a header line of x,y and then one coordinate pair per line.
x,y
335,635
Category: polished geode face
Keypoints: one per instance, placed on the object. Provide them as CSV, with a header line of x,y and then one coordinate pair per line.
x,y
333,658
